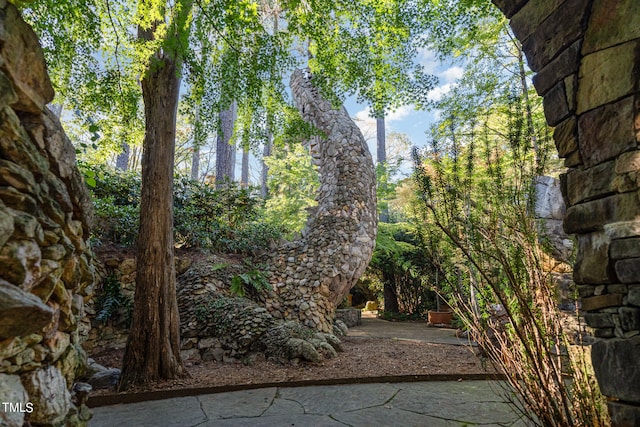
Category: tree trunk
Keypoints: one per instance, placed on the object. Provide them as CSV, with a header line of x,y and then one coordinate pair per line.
x,y
244,176
225,152
195,163
198,141
530,127
266,152
381,139
153,346
382,164
390,296
122,161
389,290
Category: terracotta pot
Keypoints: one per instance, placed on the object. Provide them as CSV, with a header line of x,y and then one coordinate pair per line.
x,y
440,317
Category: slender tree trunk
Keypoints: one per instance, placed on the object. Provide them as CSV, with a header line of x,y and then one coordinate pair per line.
x,y
122,161
390,295
266,152
198,140
195,163
153,346
225,152
527,104
381,140
244,176
389,290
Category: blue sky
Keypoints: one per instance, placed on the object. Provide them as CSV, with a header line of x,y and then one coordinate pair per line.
x,y
406,119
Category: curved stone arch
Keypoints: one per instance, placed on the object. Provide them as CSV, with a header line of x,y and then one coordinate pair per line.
x,y
586,56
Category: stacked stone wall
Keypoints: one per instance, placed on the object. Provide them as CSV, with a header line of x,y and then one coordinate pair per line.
x,y
586,56
215,324
46,270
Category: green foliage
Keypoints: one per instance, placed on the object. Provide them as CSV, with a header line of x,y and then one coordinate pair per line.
x,y
112,302
252,282
116,198
293,183
401,317
398,262
115,223
224,219
123,187
475,183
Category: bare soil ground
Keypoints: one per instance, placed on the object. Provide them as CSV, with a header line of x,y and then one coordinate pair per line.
x,y
361,358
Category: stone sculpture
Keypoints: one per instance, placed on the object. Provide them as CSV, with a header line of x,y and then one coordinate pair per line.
x,y
312,274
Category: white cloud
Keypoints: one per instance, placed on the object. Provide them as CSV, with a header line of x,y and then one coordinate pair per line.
x,y
399,114
451,74
367,124
437,93
428,60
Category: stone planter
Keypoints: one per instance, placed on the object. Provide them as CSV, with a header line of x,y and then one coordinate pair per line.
x,y
440,318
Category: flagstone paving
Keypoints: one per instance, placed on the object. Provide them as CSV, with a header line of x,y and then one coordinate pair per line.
x,y
432,403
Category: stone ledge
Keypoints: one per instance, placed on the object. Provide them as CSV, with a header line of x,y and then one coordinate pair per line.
x,y
565,64
625,248
601,301
532,15
591,216
605,76
602,135
612,23
623,414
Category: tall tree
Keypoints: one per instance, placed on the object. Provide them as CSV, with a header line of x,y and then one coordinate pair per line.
x,y
122,161
266,152
225,150
244,175
381,151
199,136
153,345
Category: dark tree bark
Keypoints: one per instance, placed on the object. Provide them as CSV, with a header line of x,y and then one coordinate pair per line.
x,y
153,346
390,295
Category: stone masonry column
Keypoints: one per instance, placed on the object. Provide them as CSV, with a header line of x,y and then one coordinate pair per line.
x,y
312,274
586,55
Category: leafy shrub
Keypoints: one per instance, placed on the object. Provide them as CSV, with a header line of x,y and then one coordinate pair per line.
x,y
398,262
222,219
251,282
115,223
111,302
293,183
123,187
